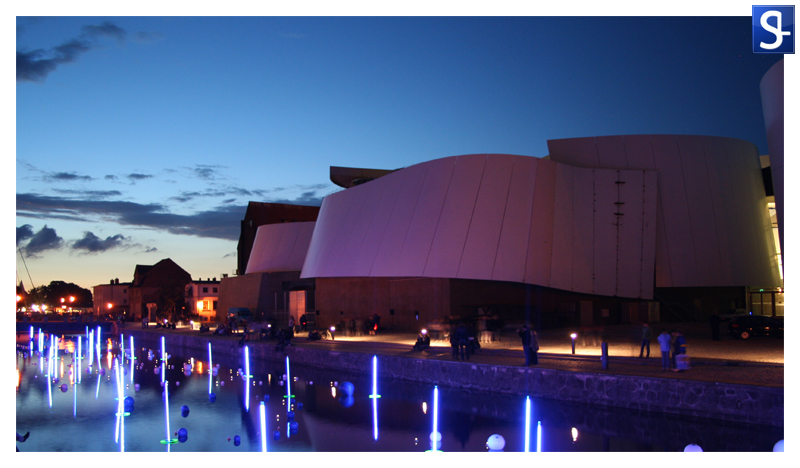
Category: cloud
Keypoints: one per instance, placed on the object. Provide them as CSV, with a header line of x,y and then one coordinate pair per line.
x,y
135,177
24,232
90,243
220,223
229,255
37,64
206,172
45,239
110,177
104,29
92,194
150,250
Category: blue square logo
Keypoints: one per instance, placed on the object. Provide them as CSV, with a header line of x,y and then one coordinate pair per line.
x,y
773,29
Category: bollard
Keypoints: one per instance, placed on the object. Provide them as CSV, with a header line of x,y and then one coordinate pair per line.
x,y
604,357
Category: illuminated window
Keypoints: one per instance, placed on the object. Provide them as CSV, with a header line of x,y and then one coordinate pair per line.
x,y
297,303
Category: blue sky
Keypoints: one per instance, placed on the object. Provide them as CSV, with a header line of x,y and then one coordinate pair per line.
x,y
142,138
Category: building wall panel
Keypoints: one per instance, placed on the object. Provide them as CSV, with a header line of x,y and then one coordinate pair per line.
x,y
421,230
480,248
540,242
389,252
512,249
454,221
605,232
561,264
583,230
611,152
630,231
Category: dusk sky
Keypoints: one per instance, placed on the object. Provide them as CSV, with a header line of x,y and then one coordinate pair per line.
x,y
144,138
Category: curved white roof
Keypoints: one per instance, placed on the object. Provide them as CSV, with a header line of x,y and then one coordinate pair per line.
x,y
494,217
280,247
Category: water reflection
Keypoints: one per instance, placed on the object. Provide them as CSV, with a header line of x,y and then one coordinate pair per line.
x,y
464,418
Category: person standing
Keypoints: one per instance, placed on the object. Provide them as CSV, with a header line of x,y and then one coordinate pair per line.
x,y
715,322
525,335
664,342
647,333
463,341
534,347
679,348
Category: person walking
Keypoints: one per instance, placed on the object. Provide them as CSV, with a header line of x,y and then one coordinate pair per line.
x,y
715,322
525,335
665,344
647,333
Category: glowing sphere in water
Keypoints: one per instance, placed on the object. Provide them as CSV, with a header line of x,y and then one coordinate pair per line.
x,y
290,415
64,387
184,411
136,387
212,397
778,446
496,443
347,388
293,427
347,400
692,448
237,440
276,435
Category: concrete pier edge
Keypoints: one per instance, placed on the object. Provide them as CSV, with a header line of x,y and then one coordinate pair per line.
x,y
721,401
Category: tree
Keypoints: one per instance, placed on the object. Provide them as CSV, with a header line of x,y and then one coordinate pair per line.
x,y
170,300
52,295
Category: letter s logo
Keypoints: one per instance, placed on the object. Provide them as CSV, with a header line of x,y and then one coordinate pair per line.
x,y
776,30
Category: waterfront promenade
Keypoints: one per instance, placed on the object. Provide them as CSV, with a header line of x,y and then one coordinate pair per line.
x,y
758,361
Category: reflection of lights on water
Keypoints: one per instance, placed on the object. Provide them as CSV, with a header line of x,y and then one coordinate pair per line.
x,y
574,434
18,378
424,408
527,424
333,392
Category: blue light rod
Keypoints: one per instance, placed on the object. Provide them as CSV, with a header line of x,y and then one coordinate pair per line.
x,y
163,358
247,362
435,418
78,361
49,387
91,347
166,411
75,399
40,341
119,400
288,398
262,411
210,369
132,359
31,333
527,424
122,345
99,378
375,396
539,437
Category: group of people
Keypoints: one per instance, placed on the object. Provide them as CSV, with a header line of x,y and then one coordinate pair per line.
x,y
672,345
463,341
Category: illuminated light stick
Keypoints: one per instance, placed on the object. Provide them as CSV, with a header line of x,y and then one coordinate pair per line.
x,y
132,357
169,440
99,378
247,394
91,347
375,396
163,358
41,337
539,437
31,334
288,381
79,359
87,332
49,390
210,369
247,362
122,346
435,418
527,424
262,413
75,399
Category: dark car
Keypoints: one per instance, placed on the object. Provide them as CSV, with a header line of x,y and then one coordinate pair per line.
x,y
754,325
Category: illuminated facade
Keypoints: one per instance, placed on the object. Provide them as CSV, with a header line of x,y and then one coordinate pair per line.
x,y
201,298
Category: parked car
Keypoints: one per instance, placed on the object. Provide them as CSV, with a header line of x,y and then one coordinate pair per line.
x,y
754,325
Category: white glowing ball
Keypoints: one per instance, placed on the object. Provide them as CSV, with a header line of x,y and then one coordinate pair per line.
x,y
496,443
187,372
283,377
156,370
778,446
692,448
336,384
310,382
437,436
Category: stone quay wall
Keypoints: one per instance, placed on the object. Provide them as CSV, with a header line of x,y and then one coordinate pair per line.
x,y
723,401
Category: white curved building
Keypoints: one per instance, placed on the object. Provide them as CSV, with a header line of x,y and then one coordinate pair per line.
x,y
598,232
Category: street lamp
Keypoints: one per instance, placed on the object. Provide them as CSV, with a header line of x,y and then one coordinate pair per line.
x,y
333,329
573,336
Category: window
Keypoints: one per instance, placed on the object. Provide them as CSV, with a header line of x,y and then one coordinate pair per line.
x,y
215,290
205,289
